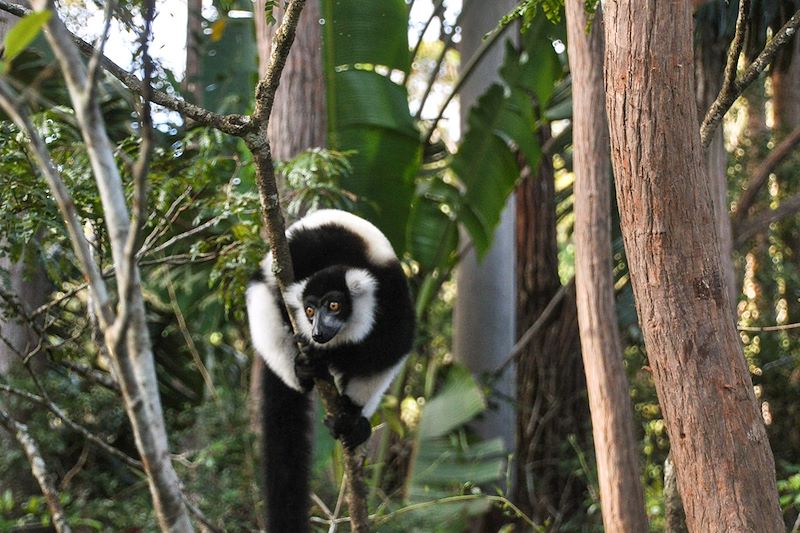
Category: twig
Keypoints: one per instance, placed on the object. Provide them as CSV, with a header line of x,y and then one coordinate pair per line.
x,y
39,469
95,376
762,172
201,517
125,278
187,336
435,13
537,325
94,62
726,98
779,327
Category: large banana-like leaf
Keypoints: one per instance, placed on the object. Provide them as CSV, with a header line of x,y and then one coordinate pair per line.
x,y
367,111
504,121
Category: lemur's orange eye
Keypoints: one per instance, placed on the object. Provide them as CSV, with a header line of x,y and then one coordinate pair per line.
x,y
310,312
334,306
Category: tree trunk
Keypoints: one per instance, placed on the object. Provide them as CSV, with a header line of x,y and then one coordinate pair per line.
x,y
483,317
616,449
192,81
710,57
299,118
551,389
785,78
725,468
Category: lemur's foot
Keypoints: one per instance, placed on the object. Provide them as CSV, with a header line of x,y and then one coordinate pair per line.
x,y
347,424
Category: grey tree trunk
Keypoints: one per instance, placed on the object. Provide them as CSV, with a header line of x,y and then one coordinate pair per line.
x,y
616,448
483,318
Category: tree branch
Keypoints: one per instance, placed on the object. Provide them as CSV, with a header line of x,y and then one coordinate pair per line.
x,y
727,97
140,170
39,469
761,221
761,174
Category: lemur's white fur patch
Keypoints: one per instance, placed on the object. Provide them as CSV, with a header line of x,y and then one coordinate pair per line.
x,y
271,339
362,286
379,248
368,391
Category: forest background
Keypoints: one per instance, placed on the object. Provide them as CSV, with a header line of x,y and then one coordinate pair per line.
x,y
425,117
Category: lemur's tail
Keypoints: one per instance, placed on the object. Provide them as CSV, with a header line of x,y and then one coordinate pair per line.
x,y
286,449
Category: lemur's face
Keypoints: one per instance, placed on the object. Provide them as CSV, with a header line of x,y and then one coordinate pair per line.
x,y
327,313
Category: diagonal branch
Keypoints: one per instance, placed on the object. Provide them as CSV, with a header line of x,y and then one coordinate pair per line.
x,y
87,434
761,174
760,221
727,97
140,170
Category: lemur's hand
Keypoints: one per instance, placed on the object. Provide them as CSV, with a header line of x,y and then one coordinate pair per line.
x,y
307,368
347,424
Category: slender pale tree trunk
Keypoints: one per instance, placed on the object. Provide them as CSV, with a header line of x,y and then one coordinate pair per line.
x,y
615,445
725,468
483,317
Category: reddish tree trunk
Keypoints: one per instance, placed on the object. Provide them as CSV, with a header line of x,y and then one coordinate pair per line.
x,y
725,468
615,446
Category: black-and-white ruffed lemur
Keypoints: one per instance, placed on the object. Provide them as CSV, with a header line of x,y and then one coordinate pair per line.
x,y
355,318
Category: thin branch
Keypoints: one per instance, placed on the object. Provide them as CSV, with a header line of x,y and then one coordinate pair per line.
x,y
125,279
39,469
779,327
202,518
95,376
435,13
726,98
761,221
761,174
94,62
233,124
187,337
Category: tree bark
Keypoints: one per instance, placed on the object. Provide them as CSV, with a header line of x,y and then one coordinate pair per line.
x,y
299,118
785,78
726,472
551,388
616,449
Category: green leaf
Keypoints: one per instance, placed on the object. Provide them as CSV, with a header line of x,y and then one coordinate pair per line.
x,y
23,33
433,234
486,166
459,401
368,114
372,33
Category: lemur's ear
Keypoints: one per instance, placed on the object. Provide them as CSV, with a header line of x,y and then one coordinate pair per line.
x,y
360,282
